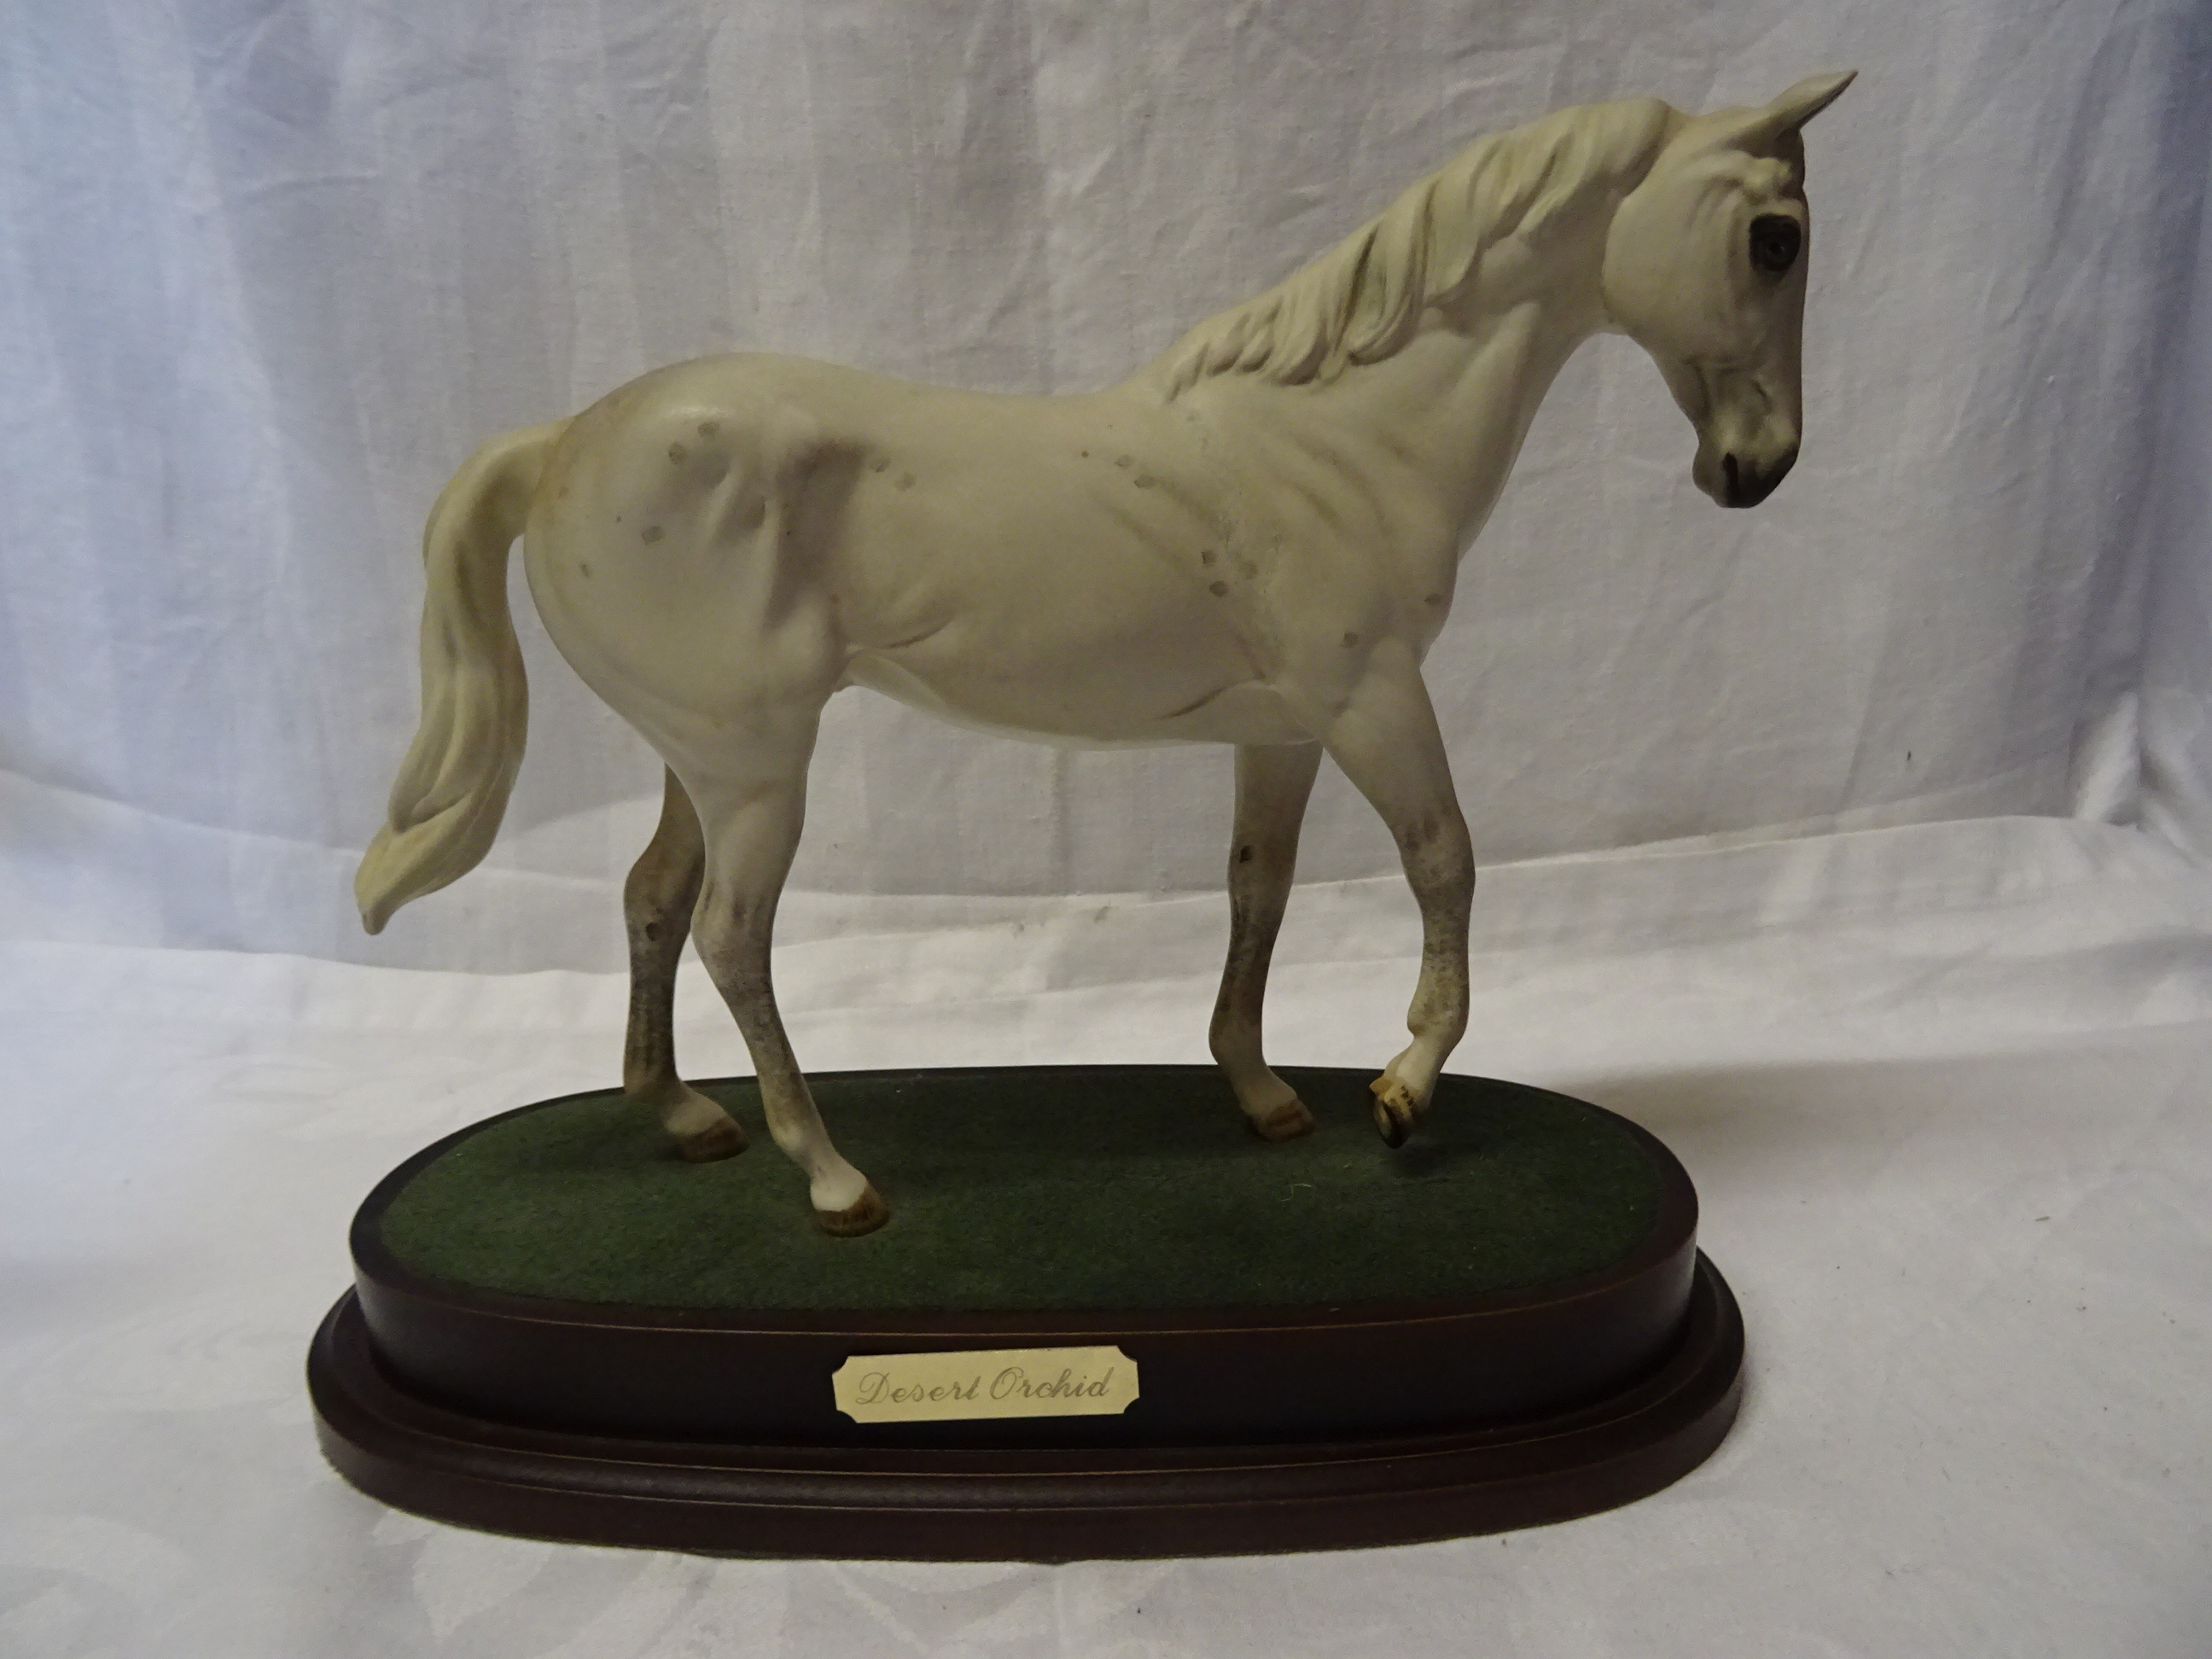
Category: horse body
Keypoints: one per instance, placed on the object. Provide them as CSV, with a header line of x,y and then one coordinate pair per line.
x,y
1252,541
1102,570
1029,564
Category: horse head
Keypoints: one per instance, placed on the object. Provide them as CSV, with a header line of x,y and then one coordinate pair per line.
x,y
1705,268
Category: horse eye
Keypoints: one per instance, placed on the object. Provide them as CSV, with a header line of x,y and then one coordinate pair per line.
x,y
1775,239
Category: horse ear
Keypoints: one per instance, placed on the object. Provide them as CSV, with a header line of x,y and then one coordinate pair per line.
x,y
1787,114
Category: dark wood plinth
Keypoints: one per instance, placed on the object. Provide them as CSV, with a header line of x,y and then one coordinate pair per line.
x,y
1257,1429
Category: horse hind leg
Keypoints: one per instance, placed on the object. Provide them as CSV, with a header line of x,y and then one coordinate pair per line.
x,y
751,822
657,902
1273,784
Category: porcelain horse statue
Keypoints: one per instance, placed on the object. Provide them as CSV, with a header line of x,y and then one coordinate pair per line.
x,y
1251,541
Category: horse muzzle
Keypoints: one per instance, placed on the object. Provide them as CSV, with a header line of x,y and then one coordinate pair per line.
x,y
1743,474
1744,483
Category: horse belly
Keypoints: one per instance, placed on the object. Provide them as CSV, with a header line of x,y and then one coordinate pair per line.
x,y
1068,711
1071,663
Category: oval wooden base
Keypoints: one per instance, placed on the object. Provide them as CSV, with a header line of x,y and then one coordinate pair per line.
x,y
1257,1429
1030,1503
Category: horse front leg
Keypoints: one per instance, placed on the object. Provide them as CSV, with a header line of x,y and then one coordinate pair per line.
x,y
752,821
1272,783
1386,739
657,901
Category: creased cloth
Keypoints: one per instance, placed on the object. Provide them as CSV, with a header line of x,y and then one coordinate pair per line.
x,y
1852,844
269,268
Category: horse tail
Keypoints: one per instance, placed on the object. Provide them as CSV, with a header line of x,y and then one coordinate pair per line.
x,y
452,786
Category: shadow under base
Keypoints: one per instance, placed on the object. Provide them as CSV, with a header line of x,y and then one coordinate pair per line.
x,y
560,1328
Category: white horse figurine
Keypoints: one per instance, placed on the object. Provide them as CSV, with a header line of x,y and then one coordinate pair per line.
x,y
1252,540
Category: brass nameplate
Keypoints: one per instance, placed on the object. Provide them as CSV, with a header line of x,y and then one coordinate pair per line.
x,y
916,1388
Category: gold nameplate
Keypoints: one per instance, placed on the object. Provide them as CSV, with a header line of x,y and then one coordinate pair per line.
x,y
917,1388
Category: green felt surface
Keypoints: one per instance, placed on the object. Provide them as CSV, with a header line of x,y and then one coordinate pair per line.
x,y
1123,1188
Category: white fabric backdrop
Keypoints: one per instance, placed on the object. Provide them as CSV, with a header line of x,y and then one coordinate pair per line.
x,y
269,270
2177,690
1940,1064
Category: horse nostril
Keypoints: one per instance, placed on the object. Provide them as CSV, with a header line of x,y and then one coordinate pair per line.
x,y
1728,472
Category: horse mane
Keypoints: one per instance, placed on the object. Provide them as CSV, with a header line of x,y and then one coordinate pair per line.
x,y
1362,300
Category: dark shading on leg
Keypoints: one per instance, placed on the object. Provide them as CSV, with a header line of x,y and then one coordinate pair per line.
x,y
657,902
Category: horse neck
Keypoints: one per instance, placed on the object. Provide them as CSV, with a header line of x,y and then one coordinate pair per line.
x,y
1428,433
1434,427
1456,402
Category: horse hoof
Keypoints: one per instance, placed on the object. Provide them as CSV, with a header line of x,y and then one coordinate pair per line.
x,y
723,1140
1287,1122
863,1215
1394,1109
